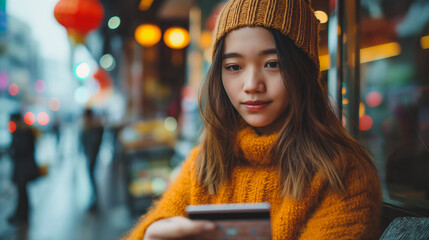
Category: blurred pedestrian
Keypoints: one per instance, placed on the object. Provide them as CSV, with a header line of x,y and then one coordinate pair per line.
x,y
56,129
25,168
91,136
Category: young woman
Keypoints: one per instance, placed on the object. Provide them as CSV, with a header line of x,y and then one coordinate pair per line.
x,y
271,136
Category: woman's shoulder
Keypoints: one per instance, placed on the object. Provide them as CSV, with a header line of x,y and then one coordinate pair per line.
x,y
361,173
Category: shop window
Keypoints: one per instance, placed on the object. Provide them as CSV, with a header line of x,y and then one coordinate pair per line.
x,y
394,93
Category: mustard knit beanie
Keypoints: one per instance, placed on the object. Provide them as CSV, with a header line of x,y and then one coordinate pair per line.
x,y
293,18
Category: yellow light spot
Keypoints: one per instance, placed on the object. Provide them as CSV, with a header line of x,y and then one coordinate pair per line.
x,y
361,109
145,4
345,101
176,37
379,52
147,34
344,90
325,62
424,41
322,16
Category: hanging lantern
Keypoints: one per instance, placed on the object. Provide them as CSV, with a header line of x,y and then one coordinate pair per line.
x,y
103,79
176,37
148,34
79,17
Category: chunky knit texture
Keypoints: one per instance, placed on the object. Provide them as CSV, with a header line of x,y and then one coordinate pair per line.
x,y
293,18
321,214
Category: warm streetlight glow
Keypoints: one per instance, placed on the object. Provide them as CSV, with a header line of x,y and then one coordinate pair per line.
x,y
361,109
145,4
325,62
176,37
322,16
147,34
424,41
379,52
368,54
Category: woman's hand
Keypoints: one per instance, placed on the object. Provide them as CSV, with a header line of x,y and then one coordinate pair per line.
x,y
177,228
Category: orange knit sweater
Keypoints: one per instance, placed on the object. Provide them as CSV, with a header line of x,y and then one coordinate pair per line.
x,y
321,214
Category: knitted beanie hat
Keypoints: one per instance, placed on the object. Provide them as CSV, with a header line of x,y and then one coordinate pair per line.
x,y
293,18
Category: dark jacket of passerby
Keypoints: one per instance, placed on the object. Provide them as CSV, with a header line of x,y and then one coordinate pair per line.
x,y
22,152
91,138
25,169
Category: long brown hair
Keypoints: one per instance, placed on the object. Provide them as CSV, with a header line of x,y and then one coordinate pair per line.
x,y
311,139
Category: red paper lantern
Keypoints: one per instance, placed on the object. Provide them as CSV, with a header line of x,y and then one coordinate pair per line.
x,y
79,17
103,79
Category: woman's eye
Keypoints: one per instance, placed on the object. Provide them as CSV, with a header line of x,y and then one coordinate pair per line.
x,y
272,65
233,67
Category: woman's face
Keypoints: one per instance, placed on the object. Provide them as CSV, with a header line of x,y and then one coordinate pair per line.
x,y
252,78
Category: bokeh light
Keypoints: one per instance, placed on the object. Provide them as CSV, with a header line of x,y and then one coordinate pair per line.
x,y
11,126
114,22
365,123
373,99
159,185
145,4
13,89
147,34
188,93
321,15
82,95
206,39
54,104
170,123
39,86
43,118
107,62
176,37
361,109
424,42
82,71
4,81
29,118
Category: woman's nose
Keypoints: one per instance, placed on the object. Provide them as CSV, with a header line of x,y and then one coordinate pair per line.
x,y
254,81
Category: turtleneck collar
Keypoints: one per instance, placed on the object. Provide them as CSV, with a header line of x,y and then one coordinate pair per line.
x,y
254,147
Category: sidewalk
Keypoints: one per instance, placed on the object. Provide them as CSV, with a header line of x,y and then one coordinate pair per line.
x,y
60,201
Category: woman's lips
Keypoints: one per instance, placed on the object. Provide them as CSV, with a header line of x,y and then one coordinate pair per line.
x,y
255,105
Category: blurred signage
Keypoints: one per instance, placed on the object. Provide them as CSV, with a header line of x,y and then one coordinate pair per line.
x,y
2,16
2,23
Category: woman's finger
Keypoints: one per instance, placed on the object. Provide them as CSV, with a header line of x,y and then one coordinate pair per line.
x,y
178,227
